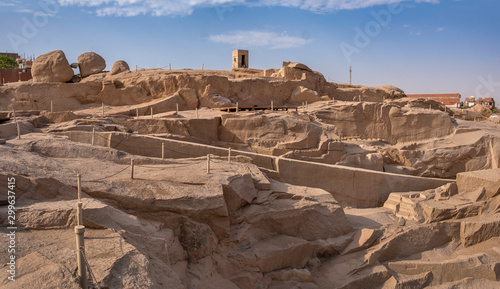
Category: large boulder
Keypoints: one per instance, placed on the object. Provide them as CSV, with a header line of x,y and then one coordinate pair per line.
x,y
296,65
302,94
270,72
211,97
270,134
119,67
479,229
348,92
90,63
52,67
215,100
190,97
484,111
471,181
371,161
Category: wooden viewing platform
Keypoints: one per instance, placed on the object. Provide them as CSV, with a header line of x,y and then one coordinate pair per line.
x,y
255,108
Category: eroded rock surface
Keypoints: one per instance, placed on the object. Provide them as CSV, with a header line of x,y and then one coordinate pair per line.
x,y
90,63
52,67
119,67
266,217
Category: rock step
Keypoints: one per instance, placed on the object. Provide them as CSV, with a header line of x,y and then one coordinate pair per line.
x,y
408,210
375,276
476,266
480,229
276,253
408,281
393,202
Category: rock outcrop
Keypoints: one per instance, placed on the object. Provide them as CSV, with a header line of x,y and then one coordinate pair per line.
x,y
90,63
483,111
238,224
297,203
301,95
119,67
487,179
52,67
272,134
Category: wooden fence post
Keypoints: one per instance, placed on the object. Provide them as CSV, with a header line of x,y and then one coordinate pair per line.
x,y
208,164
80,247
79,208
132,169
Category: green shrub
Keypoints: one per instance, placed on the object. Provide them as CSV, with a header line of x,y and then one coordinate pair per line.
x,y
7,62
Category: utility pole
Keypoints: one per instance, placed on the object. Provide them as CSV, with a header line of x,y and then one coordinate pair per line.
x,y
350,75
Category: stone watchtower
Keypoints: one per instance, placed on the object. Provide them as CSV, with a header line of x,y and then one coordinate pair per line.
x,y
240,59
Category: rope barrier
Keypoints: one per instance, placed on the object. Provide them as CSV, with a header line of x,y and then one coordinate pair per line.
x,y
107,177
164,147
106,138
220,161
142,148
52,104
159,167
92,280
169,167
182,153
149,167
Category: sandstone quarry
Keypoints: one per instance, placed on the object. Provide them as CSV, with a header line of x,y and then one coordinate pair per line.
x,y
339,186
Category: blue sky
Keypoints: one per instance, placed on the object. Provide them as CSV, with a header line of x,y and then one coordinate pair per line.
x,y
424,46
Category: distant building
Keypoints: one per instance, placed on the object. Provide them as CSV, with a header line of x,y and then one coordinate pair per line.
x,y
452,99
15,75
11,55
22,62
240,59
469,101
21,73
486,102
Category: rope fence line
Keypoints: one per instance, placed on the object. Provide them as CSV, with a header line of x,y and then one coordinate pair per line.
x,y
147,110
162,150
84,268
163,167
85,275
170,167
53,104
132,167
106,138
107,177
92,281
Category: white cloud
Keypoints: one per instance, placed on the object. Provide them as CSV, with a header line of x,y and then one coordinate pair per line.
x,y
153,7
9,3
25,10
186,7
440,29
251,38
